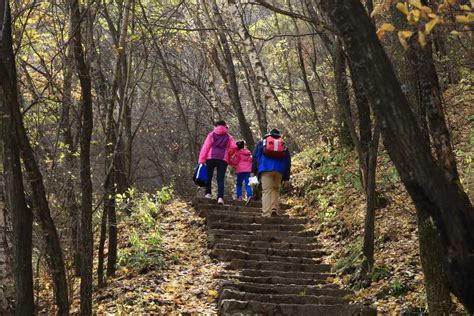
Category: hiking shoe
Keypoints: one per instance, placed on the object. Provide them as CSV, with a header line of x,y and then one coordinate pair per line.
x,y
274,213
220,201
208,196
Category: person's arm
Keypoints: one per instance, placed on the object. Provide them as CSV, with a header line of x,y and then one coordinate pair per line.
x,y
234,160
232,147
256,156
286,177
205,149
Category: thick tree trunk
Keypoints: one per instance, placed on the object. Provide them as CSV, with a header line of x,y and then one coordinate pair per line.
x,y
410,66
7,290
86,233
40,203
430,109
425,181
22,217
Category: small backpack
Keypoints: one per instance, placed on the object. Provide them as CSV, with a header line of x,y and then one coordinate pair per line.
x,y
274,147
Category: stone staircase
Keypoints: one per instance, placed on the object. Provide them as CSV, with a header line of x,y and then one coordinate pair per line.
x,y
275,266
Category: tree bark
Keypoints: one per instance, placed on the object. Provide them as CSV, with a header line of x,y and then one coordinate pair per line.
x,y
86,233
70,202
7,291
40,204
22,217
426,182
342,95
232,79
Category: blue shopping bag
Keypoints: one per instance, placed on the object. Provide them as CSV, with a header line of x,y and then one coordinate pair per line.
x,y
200,175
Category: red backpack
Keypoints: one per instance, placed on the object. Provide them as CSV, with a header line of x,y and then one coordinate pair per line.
x,y
274,147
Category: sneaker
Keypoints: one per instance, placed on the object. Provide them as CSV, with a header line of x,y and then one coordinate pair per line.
x,y
239,199
208,196
220,201
274,213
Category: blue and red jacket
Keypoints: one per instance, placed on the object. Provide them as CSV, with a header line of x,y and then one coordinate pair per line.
x,y
262,163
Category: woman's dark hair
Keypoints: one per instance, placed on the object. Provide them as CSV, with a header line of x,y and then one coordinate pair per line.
x,y
240,144
220,123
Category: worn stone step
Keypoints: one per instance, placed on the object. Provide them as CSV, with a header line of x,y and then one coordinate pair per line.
x,y
276,280
235,307
273,251
200,201
282,298
317,290
288,275
207,212
233,208
215,237
228,255
233,217
254,227
281,245
278,266
262,233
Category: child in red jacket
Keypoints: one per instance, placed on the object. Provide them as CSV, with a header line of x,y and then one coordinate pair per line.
x,y
242,162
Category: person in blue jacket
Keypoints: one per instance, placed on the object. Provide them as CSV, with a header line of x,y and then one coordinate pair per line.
x,y
271,172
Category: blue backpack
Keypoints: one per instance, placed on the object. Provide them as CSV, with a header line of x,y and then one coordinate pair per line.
x,y
200,175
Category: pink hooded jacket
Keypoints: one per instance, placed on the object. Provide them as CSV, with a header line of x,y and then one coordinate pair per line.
x,y
242,161
218,145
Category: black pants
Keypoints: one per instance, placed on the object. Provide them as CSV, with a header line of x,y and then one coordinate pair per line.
x,y
221,166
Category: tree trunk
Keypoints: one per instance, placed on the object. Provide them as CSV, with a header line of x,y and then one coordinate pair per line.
x,y
426,182
7,291
86,233
39,201
70,202
232,79
22,217
430,107
342,95
103,234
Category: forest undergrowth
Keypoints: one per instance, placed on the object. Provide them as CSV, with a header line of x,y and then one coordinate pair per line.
x,y
327,189
163,262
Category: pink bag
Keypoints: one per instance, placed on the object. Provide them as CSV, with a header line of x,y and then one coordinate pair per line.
x,y
274,147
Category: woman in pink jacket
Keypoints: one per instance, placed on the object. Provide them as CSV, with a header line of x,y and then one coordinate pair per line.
x,y
242,162
216,151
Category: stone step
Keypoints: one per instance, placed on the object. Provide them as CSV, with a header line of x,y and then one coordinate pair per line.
x,y
289,275
218,237
233,208
262,233
233,217
208,212
273,251
282,298
236,307
254,227
228,255
282,245
278,266
200,201
276,280
316,290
